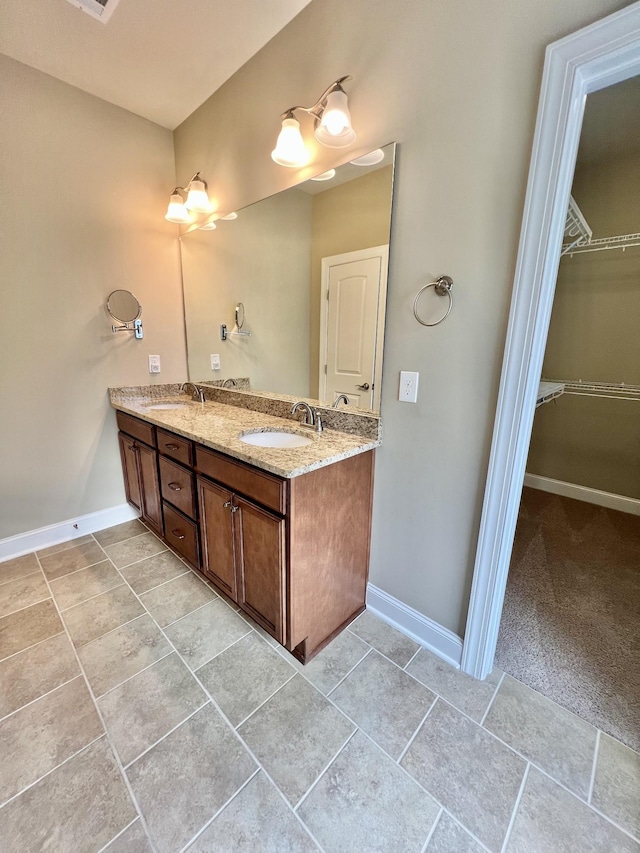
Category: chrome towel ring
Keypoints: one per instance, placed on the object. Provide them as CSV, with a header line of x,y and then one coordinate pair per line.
x,y
443,288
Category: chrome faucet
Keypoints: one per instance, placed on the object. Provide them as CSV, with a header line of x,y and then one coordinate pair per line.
x,y
311,417
229,382
341,398
196,393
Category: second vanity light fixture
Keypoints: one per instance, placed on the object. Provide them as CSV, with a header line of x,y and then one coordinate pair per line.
x,y
332,122
197,201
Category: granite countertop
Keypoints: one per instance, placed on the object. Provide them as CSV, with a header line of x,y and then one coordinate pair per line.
x,y
219,427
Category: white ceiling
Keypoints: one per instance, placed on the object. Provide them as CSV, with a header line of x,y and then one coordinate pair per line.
x,y
160,59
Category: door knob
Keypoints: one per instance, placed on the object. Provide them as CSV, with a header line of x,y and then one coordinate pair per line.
x,y
364,387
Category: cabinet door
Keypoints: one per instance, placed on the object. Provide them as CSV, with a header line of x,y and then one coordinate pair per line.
x,y
218,551
150,487
130,469
260,565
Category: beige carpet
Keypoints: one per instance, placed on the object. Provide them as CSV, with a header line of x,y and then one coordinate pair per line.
x,y
571,620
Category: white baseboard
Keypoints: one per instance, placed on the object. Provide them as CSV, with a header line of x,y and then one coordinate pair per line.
x,y
583,493
419,627
35,540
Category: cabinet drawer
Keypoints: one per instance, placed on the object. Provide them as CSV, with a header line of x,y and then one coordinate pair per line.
x,y
138,429
177,486
261,487
170,444
182,534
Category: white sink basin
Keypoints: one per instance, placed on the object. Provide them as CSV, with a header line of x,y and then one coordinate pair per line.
x,y
275,439
166,405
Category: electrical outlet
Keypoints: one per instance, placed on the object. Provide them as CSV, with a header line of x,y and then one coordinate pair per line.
x,y
215,361
408,392
154,364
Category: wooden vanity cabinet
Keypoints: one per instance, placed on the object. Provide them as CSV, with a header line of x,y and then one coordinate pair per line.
x,y
140,468
292,553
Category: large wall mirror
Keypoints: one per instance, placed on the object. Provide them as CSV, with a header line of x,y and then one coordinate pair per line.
x,y
309,267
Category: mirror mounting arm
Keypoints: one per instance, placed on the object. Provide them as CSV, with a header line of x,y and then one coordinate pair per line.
x,y
135,327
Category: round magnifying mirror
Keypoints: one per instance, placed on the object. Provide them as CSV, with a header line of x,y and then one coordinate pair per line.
x,y
239,315
123,306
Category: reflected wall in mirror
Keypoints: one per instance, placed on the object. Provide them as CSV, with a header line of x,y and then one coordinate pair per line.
x,y
310,267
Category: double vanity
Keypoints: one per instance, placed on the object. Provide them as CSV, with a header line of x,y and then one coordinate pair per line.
x,y
275,515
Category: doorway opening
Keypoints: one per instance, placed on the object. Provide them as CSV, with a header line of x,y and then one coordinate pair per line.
x,y
592,59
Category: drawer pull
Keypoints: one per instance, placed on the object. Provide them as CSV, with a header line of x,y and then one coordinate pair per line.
x,y
174,487
178,534
172,446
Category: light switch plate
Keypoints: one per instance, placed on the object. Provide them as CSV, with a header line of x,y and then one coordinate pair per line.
x,y
408,392
154,364
215,361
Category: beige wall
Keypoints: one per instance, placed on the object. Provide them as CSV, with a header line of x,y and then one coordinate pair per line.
x,y
354,215
593,336
84,188
262,259
456,85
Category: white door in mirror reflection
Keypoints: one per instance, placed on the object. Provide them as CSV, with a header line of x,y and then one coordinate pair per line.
x,y
351,328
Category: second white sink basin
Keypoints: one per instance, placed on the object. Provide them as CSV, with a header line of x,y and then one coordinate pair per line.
x,y
275,439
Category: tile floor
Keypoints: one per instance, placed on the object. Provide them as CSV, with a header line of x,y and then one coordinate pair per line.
x,y
140,711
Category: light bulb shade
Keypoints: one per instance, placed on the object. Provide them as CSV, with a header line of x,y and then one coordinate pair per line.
x,y
177,212
230,216
290,150
208,226
197,198
334,129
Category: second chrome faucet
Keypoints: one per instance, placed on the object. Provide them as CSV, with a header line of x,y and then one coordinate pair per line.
x,y
196,393
311,418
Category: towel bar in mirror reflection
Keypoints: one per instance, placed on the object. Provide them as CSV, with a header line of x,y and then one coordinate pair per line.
x,y
310,264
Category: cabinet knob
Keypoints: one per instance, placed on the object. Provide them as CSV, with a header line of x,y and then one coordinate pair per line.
x,y
171,446
178,534
227,504
235,508
174,487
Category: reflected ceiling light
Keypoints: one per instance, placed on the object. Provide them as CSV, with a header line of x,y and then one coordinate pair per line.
x,y
208,226
197,201
230,216
332,123
369,159
325,176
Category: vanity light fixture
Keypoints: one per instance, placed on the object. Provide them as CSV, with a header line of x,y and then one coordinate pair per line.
x,y
208,226
230,216
197,201
332,123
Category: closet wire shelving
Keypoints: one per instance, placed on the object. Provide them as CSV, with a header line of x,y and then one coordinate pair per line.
x,y
578,388
579,236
